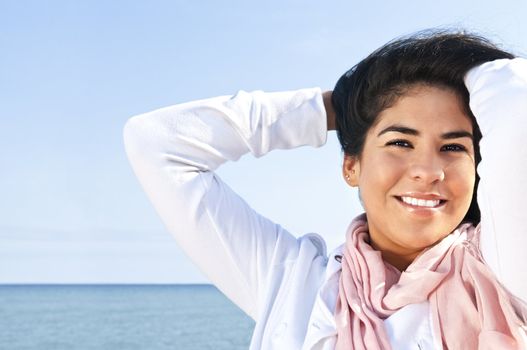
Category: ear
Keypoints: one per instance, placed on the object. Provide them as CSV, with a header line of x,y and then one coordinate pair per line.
x,y
351,170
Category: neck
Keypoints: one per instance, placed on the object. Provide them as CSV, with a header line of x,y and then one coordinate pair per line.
x,y
400,260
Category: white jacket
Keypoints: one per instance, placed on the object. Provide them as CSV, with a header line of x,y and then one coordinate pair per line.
x,y
287,285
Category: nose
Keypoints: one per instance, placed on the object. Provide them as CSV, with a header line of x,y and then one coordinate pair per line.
x,y
427,168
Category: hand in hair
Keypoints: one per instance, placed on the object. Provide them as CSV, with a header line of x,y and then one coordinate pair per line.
x,y
330,111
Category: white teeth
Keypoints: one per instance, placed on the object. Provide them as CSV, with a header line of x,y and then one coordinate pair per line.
x,y
421,202
432,203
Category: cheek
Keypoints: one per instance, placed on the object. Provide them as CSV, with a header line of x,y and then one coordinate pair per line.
x,y
379,173
462,177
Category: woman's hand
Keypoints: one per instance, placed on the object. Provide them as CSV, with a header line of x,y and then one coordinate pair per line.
x,y
330,112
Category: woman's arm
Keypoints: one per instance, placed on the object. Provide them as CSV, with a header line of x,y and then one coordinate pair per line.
x,y
498,98
174,152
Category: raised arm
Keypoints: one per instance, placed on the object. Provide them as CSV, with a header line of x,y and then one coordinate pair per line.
x,y
174,152
498,98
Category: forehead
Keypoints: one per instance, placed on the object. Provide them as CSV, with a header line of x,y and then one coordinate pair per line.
x,y
428,109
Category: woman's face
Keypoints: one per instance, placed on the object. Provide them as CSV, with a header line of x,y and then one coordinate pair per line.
x,y
416,172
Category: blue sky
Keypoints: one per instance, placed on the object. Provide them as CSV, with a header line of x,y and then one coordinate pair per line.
x,y
72,73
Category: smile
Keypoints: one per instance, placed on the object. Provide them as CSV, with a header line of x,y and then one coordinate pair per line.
x,y
421,203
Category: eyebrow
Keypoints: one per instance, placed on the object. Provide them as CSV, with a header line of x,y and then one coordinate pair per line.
x,y
409,131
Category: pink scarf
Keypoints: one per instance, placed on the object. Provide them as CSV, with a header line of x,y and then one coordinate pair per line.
x,y
470,309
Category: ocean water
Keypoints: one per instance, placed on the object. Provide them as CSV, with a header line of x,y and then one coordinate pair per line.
x,y
124,317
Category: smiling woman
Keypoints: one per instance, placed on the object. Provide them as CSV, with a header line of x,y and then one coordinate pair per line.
x,y
416,172
433,261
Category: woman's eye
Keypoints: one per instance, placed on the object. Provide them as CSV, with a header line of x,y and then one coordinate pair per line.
x,y
399,143
453,148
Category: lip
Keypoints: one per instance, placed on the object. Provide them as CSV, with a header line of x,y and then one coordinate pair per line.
x,y
422,211
421,195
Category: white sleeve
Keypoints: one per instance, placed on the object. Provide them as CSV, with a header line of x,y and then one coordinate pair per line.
x,y
498,98
174,152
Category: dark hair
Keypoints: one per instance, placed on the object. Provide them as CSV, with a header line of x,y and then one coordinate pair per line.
x,y
434,58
